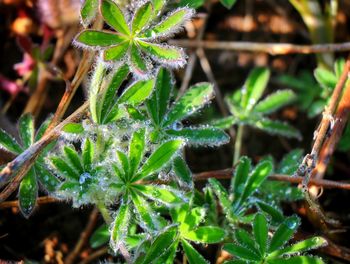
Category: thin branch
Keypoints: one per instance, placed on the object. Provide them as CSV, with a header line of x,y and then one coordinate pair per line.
x,y
95,255
270,48
40,201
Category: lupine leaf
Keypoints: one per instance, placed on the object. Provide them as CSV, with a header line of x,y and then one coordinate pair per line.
x,y
116,52
302,246
157,105
255,86
240,177
192,255
28,192
206,234
137,93
100,237
88,154
49,181
276,214
244,238
201,136
275,101
191,3
297,260
114,16
160,245
241,252
119,227
171,24
42,129
74,159
170,254
159,158
26,130
124,162
88,11
9,143
182,171
277,127
192,220
137,61
224,123
73,128
290,162
136,149
64,168
222,195
228,3
284,232
142,17
158,6
172,56
163,194
99,38
260,229
189,103
326,78
339,67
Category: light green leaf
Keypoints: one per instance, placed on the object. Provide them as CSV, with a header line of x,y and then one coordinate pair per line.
x,y
224,123
182,171
172,56
137,92
254,87
284,232
100,237
28,192
73,128
119,228
116,52
245,240
9,143
192,255
99,38
136,149
241,252
114,16
275,101
325,78
191,3
88,11
124,162
339,67
158,6
142,17
159,158
88,154
73,158
297,260
201,136
277,127
206,234
260,229
64,168
26,130
171,24
137,61
189,103
228,3
162,194
223,197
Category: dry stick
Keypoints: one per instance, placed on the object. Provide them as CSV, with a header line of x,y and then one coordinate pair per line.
x,y
84,236
40,200
95,255
270,48
17,169
227,174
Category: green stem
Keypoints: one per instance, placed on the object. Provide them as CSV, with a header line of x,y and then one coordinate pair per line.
x,y
238,144
95,85
104,212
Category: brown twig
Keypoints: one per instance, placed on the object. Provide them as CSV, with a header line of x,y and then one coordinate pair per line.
x,y
40,201
84,236
98,253
270,48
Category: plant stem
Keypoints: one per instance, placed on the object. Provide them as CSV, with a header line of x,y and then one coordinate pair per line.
x,y
95,85
238,144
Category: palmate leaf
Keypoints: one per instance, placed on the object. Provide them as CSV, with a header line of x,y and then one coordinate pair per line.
x,y
162,194
260,229
245,240
45,177
142,16
73,157
94,38
325,78
119,227
114,16
241,252
116,52
9,143
275,101
206,234
28,192
189,103
138,92
64,168
88,11
224,123
192,255
275,214
88,154
26,130
276,127
137,60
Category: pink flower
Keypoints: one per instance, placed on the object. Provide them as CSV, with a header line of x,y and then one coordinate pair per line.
x,y
26,66
10,86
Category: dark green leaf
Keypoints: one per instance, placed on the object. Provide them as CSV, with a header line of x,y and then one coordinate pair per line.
x,y
275,101
49,181
26,130
73,158
228,3
241,252
100,237
297,260
88,154
28,192
9,143
245,240
96,38
240,177
276,214
192,255
119,227
64,168
182,171
136,149
277,127
260,229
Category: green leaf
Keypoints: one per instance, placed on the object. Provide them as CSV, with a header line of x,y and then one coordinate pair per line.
x,y
100,237
158,6
284,232
163,194
276,214
124,162
172,23
116,52
260,229
241,252
157,104
224,123
339,67
88,11
277,127
172,56
189,103
119,228
142,17
245,240
73,128
182,171
42,129
114,16
228,3
26,130
201,136
136,149
297,260
137,61
290,162
110,93
73,158
191,3
137,92
88,154
257,177
254,87
325,78
206,234
275,101
306,245
96,38
64,168
28,192
160,245
49,181
9,143
240,177
159,158
192,255
222,195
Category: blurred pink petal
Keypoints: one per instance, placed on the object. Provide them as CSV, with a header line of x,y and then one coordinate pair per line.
x,y
26,66
10,86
